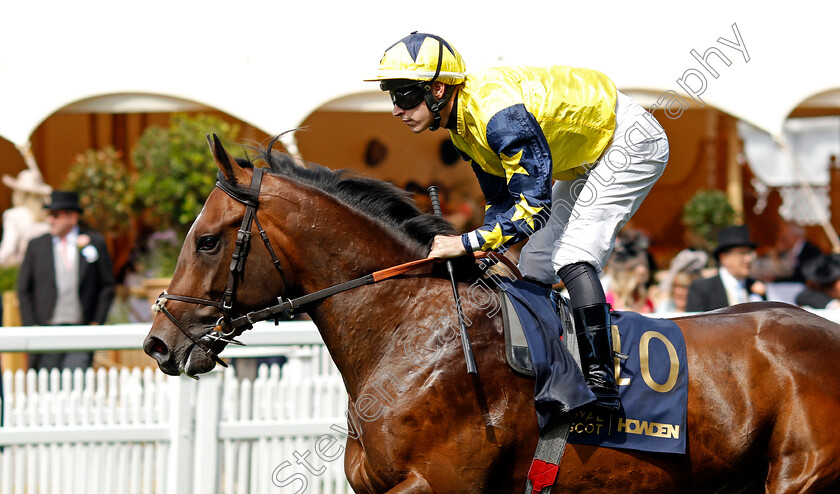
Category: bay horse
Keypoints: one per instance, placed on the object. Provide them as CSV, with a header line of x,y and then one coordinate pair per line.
x,y
764,378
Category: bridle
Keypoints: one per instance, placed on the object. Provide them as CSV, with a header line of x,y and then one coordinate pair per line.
x,y
227,327
237,267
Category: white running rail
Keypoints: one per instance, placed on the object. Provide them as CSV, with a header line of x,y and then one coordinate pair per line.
x,y
139,431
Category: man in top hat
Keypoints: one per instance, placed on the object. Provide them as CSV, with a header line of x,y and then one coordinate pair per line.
x,y
822,276
65,279
732,285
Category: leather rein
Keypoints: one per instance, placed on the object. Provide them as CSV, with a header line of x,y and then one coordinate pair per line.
x,y
228,327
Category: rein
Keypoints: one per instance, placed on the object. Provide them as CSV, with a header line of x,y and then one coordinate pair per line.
x,y
228,327
288,307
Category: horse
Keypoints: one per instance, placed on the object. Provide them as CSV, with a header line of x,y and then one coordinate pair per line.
x,y
764,378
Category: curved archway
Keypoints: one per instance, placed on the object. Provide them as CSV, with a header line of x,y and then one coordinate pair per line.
x,y
800,172
116,120
705,150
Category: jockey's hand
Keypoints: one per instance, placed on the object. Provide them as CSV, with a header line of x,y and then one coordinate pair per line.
x,y
444,246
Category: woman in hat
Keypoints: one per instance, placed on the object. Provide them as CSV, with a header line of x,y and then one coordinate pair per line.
x,y
25,220
822,278
685,268
629,271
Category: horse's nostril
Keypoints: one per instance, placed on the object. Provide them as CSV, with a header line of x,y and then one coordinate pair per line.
x,y
156,348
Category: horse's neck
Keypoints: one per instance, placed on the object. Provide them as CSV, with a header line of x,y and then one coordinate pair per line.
x,y
356,248
363,328
354,328
352,246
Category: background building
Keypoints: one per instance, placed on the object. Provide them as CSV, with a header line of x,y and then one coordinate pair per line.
x,y
93,74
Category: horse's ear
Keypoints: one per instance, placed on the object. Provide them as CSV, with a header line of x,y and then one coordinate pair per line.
x,y
226,163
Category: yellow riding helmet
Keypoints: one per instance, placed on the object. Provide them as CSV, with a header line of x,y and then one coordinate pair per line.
x,y
422,57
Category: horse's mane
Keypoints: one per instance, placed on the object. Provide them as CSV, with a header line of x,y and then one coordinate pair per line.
x,y
378,199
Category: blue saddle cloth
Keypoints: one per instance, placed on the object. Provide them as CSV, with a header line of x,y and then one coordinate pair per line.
x,y
653,384
653,381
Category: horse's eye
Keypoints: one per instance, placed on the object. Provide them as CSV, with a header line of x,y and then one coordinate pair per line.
x,y
207,242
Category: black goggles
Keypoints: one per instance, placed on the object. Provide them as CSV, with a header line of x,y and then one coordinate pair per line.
x,y
408,97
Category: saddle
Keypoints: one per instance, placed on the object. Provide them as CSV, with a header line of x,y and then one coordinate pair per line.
x,y
516,346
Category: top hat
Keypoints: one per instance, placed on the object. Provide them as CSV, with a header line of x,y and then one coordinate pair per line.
x,y
64,200
28,181
733,236
823,270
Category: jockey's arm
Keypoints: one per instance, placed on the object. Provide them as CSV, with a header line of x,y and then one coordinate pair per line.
x,y
519,203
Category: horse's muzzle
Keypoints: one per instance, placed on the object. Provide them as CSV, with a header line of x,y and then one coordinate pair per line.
x,y
159,350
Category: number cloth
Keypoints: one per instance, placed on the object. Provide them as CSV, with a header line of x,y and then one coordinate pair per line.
x,y
653,384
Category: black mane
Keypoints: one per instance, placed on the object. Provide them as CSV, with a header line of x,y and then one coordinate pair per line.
x,y
380,200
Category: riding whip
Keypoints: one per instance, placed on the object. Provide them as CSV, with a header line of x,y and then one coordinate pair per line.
x,y
465,337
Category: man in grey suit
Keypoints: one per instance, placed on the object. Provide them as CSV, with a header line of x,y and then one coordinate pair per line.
x,y
65,279
732,285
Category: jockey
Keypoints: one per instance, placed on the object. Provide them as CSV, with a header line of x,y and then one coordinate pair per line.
x,y
563,160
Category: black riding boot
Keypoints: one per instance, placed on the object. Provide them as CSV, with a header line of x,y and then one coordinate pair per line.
x,y
594,336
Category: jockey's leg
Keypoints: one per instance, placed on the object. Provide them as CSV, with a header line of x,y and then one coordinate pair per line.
x,y
591,209
592,327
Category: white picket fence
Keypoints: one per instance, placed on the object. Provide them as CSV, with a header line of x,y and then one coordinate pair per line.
x,y
139,431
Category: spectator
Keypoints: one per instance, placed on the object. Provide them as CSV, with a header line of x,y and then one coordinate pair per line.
x,y
629,275
822,275
795,250
65,279
677,295
685,268
732,285
785,261
25,219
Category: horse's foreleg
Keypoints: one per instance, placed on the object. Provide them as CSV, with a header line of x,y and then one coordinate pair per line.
x,y
414,484
355,468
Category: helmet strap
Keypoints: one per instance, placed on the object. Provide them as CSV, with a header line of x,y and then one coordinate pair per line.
x,y
436,105
433,103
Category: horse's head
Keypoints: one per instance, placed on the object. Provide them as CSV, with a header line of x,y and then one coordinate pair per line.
x,y
192,324
322,228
